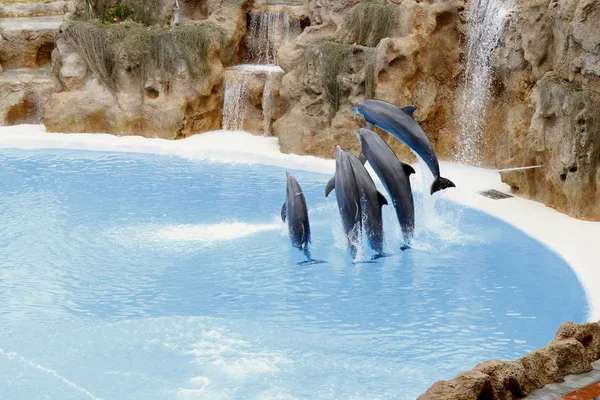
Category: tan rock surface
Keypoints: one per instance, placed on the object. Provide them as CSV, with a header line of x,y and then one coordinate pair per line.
x,y
572,351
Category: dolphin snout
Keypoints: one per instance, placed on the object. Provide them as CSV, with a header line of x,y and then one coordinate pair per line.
x,y
338,151
355,110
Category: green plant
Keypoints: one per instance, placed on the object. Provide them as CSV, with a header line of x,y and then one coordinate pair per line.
x,y
116,14
368,23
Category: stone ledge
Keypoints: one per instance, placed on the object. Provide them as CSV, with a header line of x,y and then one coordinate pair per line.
x,y
572,351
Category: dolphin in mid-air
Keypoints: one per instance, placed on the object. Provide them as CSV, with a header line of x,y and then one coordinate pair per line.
x,y
395,176
347,195
401,123
358,200
371,204
294,210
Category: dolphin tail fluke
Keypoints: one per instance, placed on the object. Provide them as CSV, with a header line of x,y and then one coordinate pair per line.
x,y
440,184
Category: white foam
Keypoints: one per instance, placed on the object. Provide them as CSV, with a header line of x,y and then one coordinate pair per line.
x,y
257,68
211,233
574,240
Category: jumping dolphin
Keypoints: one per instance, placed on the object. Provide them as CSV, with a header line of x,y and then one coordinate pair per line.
x,y
394,175
347,194
401,123
295,211
371,203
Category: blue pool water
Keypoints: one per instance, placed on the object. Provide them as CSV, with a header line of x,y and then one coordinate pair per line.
x,y
128,276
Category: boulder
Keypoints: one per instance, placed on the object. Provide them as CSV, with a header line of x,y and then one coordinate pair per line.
x,y
572,351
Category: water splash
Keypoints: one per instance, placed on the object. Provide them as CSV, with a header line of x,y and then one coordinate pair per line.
x,y
237,95
268,31
486,20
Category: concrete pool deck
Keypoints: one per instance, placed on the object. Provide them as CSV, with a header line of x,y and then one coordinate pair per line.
x,y
578,242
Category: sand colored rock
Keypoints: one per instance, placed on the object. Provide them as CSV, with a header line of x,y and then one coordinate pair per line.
x,y
171,109
22,9
572,351
418,65
550,65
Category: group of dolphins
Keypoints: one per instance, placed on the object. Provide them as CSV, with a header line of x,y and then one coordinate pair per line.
x,y
358,200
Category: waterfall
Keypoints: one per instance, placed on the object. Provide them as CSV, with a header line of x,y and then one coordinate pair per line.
x,y
486,20
234,104
268,31
267,104
237,94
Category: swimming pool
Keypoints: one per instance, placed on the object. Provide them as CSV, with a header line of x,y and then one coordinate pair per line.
x,y
129,276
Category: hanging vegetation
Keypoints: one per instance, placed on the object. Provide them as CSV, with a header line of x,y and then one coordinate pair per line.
x,y
144,51
332,60
368,23
145,12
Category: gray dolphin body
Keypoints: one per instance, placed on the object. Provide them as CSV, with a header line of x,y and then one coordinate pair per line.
x,y
294,210
371,203
358,200
395,176
347,195
400,123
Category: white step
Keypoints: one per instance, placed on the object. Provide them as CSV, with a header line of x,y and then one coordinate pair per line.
x,y
45,23
20,9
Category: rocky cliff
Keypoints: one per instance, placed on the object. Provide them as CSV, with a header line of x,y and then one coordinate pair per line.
x,y
550,70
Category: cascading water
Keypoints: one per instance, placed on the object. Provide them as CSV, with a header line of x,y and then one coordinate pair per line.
x,y
237,94
485,23
236,90
268,31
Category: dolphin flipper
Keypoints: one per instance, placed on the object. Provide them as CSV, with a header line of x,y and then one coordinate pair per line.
x,y
381,198
330,186
409,110
283,212
370,125
440,184
408,169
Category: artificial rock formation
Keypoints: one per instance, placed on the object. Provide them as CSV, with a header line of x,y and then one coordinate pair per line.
x,y
27,33
549,66
417,64
140,104
572,351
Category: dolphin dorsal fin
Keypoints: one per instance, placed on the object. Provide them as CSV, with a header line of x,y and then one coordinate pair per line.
x,y
283,212
409,110
362,158
330,186
381,198
408,169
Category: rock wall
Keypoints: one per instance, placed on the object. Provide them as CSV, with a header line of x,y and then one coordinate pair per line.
x,y
169,108
550,68
572,351
418,64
